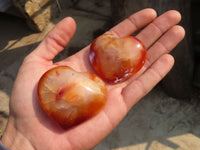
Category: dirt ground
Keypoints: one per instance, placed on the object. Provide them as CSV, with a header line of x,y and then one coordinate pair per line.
x,y
157,122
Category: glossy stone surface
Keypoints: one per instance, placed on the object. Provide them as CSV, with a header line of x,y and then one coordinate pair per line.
x,y
116,59
71,97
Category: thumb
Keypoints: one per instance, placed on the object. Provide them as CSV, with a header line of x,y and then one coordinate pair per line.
x,y
56,39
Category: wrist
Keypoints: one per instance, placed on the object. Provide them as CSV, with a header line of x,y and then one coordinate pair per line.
x,y
13,139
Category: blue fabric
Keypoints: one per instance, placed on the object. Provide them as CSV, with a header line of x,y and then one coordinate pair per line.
x,y
2,147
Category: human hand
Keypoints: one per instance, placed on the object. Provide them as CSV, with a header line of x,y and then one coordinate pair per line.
x,y
30,128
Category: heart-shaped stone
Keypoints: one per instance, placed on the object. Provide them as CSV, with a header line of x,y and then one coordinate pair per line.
x,y
71,97
117,59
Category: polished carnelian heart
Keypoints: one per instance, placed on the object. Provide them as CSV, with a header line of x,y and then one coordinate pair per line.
x,y
117,59
71,97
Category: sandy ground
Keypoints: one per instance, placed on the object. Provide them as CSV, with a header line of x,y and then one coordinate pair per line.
x,y
157,122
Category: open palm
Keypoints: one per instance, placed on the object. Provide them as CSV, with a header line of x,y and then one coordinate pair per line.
x,y
29,125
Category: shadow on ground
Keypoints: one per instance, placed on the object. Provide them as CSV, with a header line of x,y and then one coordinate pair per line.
x,y
158,122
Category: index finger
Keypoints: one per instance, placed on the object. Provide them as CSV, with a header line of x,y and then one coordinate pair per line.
x,y
127,27
134,23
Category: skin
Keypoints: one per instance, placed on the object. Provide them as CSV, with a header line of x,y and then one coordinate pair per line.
x,y
29,128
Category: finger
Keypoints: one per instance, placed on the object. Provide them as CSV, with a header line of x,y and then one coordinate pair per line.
x,y
125,28
134,23
158,27
56,39
165,44
143,84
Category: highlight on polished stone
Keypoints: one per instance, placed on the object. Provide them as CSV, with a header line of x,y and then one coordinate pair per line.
x,y
117,59
71,97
